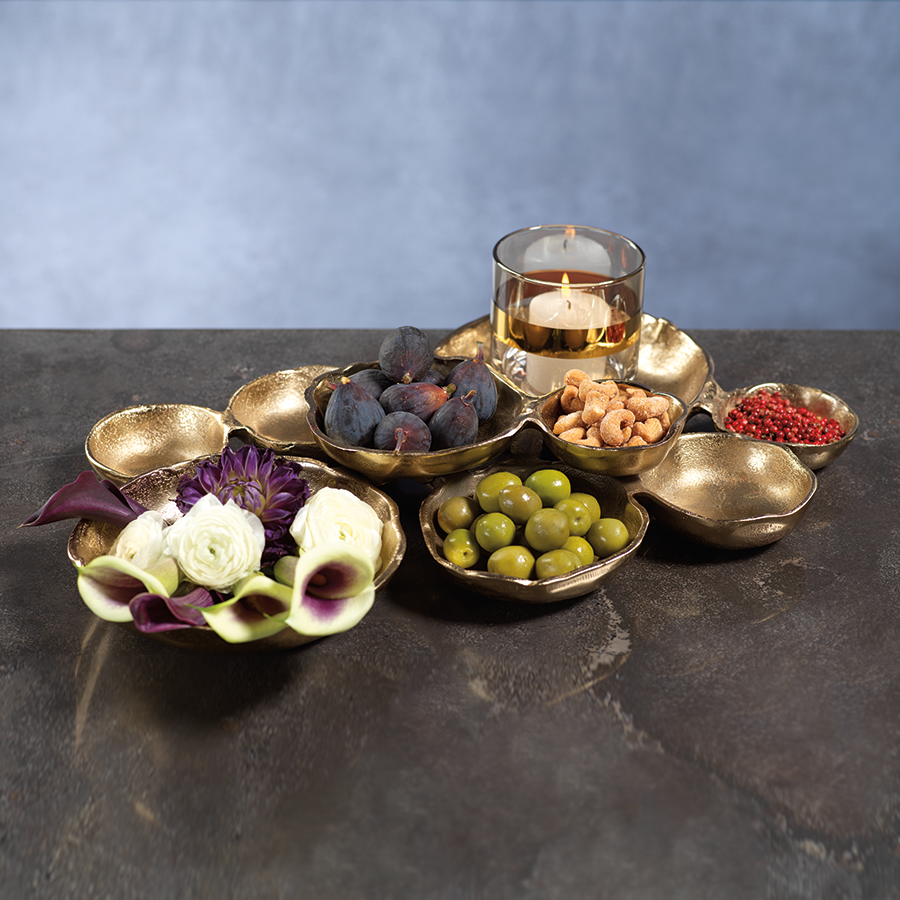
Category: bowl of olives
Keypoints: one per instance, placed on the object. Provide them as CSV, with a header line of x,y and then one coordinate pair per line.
x,y
529,534
411,414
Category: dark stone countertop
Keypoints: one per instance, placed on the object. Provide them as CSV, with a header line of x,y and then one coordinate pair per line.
x,y
708,724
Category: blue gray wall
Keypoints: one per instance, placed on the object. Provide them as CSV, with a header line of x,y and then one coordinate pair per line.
x,y
349,163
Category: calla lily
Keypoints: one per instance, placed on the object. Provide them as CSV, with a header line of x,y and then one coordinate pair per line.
x,y
333,588
87,498
153,612
257,610
108,584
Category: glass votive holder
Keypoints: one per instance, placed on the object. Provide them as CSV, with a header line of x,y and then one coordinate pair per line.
x,y
566,297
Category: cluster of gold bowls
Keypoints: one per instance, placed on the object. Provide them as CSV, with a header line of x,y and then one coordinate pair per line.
x,y
722,489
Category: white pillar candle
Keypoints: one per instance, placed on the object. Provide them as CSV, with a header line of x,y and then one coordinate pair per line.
x,y
566,308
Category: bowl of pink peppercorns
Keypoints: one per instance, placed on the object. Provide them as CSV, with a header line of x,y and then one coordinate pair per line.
x,y
815,425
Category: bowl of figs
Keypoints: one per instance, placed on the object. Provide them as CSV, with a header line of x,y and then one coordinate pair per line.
x,y
411,414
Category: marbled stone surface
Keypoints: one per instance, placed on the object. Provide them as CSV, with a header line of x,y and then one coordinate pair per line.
x,y
708,724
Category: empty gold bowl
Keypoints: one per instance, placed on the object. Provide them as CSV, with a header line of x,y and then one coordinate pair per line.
x,y
494,436
271,410
614,502
719,403
268,412
725,492
157,490
137,439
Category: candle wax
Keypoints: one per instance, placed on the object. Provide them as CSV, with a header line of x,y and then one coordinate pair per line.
x,y
566,308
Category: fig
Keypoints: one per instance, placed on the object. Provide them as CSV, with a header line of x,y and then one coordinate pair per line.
x,y
352,414
402,432
373,380
433,376
455,423
474,375
421,398
405,355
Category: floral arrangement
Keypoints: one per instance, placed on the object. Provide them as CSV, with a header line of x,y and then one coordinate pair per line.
x,y
252,553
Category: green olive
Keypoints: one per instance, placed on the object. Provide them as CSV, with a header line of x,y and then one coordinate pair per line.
x,y
608,536
556,562
581,548
578,513
514,560
457,512
461,548
494,531
518,502
551,485
489,487
593,504
547,529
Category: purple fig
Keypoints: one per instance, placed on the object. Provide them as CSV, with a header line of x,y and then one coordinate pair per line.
x,y
421,399
402,432
474,375
454,424
373,380
352,414
405,354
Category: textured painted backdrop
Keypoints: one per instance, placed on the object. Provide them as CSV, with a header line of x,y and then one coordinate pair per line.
x,y
353,163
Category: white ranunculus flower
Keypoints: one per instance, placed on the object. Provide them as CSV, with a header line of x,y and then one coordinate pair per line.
x,y
334,515
142,541
216,544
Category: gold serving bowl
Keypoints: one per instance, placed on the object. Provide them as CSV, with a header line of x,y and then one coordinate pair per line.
x,y
727,493
719,403
136,439
669,360
157,490
494,436
619,461
268,412
271,410
614,502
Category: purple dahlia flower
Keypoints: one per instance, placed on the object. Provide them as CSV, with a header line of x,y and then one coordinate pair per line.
x,y
257,480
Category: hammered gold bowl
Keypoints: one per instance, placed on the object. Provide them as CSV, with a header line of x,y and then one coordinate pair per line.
x,y
268,412
157,490
669,359
725,492
494,436
719,403
136,439
271,410
614,502
618,461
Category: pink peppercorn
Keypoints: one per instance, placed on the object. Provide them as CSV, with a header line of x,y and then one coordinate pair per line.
x,y
772,418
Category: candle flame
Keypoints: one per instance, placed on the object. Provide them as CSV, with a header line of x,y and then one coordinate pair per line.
x,y
566,290
570,231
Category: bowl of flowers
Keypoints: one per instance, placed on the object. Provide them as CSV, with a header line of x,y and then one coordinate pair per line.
x,y
240,550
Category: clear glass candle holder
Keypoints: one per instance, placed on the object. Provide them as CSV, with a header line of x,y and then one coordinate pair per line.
x,y
566,297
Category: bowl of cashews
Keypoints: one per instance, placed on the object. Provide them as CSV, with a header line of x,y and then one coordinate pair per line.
x,y
610,427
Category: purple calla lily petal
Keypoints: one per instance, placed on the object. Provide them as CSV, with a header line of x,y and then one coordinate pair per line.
x,y
153,613
87,498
